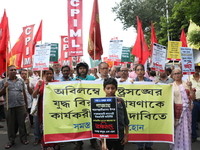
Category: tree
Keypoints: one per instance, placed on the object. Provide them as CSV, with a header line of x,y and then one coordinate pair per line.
x,y
127,10
153,11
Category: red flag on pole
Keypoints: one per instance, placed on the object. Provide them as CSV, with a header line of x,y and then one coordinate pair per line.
x,y
4,39
153,38
140,49
38,37
95,49
16,53
183,38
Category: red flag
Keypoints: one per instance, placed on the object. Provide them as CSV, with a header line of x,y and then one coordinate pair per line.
x,y
94,41
4,39
183,39
16,53
140,49
153,38
38,37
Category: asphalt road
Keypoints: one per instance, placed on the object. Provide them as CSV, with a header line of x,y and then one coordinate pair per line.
x,y
70,146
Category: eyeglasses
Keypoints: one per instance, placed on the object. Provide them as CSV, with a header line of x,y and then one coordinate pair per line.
x,y
177,73
124,70
13,69
139,69
104,68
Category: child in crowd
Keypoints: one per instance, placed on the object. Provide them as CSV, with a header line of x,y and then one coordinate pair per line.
x,y
110,87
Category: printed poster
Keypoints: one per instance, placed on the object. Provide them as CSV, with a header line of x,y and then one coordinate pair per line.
x,y
173,52
187,61
158,57
104,117
41,57
115,50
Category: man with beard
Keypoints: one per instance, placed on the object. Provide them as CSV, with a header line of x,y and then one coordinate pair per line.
x,y
17,104
66,73
82,70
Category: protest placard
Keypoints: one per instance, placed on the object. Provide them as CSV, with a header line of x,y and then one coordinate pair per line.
x,y
158,57
173,52
104,117
187,60
41,57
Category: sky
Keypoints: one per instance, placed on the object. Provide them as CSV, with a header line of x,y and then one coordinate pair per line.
x,y
23,13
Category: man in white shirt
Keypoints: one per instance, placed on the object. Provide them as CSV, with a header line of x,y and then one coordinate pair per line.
x,y
195,79
57,72
103,70
124,76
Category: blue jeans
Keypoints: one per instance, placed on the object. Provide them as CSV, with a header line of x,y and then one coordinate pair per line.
x,y
147,144
195,112
37,130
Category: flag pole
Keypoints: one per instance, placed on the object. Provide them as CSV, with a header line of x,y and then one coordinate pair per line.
x,y
94,47
7,76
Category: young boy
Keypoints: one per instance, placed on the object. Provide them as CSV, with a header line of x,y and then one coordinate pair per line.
x,y
110,87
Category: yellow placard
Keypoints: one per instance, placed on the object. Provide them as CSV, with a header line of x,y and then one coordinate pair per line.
x,y
173,52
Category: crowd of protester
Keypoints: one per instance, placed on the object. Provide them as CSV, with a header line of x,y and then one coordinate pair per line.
x,y
24,85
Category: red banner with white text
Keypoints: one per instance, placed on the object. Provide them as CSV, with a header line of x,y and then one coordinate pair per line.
x,y
27,52
64,58
75,28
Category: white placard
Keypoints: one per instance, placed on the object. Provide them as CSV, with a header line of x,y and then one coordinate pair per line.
x,y
187,60
41,57
158,57
115,50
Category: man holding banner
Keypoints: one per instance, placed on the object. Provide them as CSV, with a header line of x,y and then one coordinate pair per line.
x,y
82,74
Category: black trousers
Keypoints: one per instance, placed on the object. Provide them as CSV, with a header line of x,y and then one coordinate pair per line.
x,y
113,144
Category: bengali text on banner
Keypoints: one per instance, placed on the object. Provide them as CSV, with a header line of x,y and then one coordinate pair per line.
x,y
67,110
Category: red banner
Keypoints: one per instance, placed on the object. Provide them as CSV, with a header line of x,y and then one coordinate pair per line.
x,y
65,59
75,28
27,52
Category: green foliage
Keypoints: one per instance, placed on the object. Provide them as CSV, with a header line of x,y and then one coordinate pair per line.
x,y
154,11
194,38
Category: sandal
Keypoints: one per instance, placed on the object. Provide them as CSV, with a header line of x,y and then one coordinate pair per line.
x,y
36,142
25,142
9,145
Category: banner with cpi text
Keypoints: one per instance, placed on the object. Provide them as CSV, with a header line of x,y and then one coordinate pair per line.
x,y
27,51
67,110
75,34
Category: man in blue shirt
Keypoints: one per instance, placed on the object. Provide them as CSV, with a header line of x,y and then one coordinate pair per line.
x,y
82,70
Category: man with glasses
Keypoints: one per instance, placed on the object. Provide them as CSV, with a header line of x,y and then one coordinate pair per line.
x,y
124,75
103,70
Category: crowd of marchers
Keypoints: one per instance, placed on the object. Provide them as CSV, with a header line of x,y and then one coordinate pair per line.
x,y
19,87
